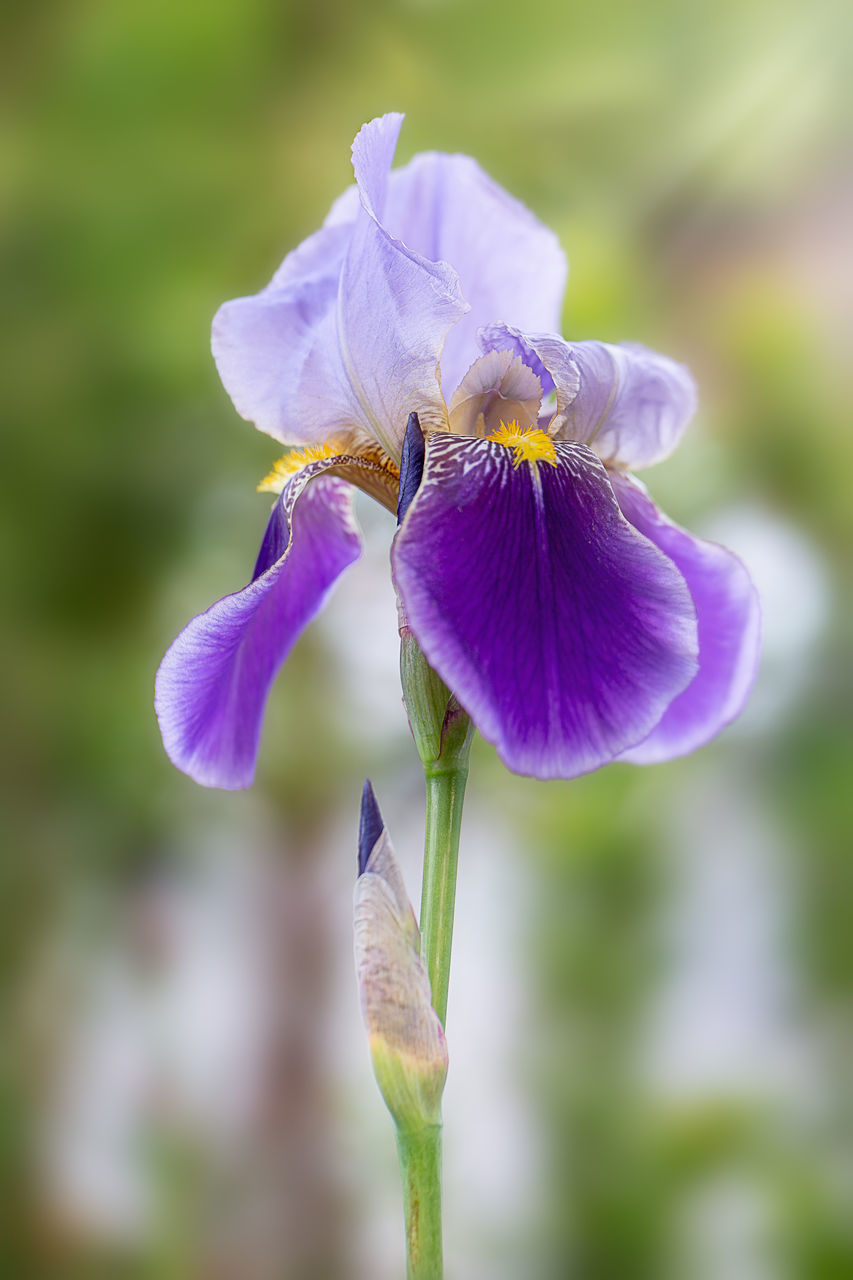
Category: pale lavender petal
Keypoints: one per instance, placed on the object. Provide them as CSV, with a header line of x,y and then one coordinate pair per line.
x,y
499,387
445,208
563,633
395,309
729,618
346,340
547,355
632,404
510,265
213,683
262,345
629,404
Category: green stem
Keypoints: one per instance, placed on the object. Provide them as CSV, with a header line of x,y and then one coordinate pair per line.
x,y
420,1164
420,1151
442,733
445,791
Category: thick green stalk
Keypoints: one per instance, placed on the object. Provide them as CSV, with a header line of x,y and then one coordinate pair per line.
x,y
442,733
420,1165
445,792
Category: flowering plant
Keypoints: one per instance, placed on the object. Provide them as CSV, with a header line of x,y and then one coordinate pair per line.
x,y
409,348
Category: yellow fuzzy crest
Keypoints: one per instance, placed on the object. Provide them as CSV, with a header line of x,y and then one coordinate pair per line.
x,y
294,460
531,444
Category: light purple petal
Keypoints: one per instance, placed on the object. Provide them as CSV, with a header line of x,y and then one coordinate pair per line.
x,y
346,340
262,345
632,405
729,618
444,207
395,309
499,387
547,355
629,404
213,683
511,266
563,633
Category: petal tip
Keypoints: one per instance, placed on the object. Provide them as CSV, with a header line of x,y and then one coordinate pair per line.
x,y
411,465
370,826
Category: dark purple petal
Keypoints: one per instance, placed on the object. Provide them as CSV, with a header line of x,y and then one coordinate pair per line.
x,y
213,682
729,619
346,340
370,826
411,465
562,632
510,265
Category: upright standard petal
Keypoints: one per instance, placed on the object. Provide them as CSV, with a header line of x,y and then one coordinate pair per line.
x,y
629,404
510,265
499,387
546,355
213,682
395,309
346,340
261,344
729,621
563,633
632,404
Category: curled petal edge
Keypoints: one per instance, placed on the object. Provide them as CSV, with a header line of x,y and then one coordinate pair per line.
x,y
213,682
729,628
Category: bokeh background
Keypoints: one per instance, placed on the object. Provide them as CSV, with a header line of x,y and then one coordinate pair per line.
x,y
650,1015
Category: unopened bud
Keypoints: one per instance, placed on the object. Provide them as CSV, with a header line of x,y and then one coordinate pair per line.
x,y
407,1043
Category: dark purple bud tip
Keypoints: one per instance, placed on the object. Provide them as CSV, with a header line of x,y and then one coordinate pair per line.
x,y
370,826
411,465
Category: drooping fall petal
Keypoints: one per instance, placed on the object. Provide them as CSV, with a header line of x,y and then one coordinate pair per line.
x,y
729,624
563,633
212,684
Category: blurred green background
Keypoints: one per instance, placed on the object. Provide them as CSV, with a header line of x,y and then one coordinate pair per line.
x,y
650,1015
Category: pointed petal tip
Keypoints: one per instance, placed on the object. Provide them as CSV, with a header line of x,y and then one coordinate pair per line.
x,y
370,826
411,465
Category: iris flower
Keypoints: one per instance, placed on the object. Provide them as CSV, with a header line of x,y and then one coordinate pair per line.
x,y
575,623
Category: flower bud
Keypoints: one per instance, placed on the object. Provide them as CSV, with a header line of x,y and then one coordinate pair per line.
x,y
407,1043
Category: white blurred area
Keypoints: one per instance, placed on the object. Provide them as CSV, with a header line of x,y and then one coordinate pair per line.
x,y
176,1030
724,1015
164,1030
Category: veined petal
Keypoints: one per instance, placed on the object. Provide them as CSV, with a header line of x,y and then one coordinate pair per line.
x,y
445,208
346,339
213,682
497,388
562,632
547,355
629,404
510,265
729,619
632,404
395,309
262,345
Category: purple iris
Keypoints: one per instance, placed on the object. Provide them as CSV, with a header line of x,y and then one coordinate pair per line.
x,y
573,621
